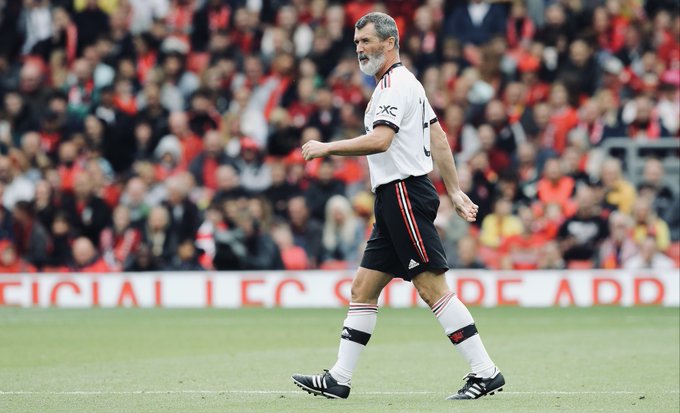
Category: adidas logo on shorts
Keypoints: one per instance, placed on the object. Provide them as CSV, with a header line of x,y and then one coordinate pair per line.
x,y
412,264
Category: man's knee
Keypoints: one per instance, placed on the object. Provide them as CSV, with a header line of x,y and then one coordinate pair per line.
x,y
367,286
362,293
431,287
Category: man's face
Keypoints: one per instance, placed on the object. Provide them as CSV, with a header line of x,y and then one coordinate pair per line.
x,y
370,49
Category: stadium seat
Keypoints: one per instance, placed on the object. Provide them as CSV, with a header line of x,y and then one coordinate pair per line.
x,y
490,257
580,264
334,265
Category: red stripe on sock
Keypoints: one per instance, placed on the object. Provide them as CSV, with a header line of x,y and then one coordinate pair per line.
x,y
441,300
441,309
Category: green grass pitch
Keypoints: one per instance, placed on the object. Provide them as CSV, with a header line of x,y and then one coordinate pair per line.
x,y
555,360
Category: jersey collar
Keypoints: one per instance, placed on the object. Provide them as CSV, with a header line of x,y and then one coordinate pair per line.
x,y
389,70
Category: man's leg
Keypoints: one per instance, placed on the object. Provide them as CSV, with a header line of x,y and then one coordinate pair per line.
x,y
460,328
360,322
356,331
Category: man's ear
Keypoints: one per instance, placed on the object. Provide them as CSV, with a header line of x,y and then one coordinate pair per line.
x,y
391,45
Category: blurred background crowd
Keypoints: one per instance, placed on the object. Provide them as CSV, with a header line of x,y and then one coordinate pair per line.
x,y
144,135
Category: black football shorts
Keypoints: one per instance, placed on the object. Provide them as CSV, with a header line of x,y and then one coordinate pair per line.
x,y
404,241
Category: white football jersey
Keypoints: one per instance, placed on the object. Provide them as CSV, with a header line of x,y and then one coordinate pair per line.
x,y
399,102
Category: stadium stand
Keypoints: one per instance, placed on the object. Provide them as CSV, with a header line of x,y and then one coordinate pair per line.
x,y
145,135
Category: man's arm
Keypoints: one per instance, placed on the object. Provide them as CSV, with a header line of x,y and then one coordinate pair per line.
x,y
376,141
443,159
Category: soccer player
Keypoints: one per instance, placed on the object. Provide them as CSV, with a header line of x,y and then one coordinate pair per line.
x,y
402,139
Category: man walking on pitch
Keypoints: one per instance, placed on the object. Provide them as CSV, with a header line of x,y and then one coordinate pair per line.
x,y
402,139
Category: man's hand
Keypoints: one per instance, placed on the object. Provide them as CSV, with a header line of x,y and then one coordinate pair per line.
x,y
465,208
314,149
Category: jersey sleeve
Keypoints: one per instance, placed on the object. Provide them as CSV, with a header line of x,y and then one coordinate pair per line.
x,y
429,114
390,108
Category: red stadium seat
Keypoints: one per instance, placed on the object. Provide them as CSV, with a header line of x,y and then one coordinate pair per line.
x,y
334,265
580,264
490,257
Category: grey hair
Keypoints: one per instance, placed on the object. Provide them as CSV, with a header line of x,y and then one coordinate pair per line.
x,y
385,26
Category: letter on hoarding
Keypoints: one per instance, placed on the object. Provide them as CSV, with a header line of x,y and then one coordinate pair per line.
x,y
58,286
564,290
653,283
597,291
466,299
246,301
283,283
500,291
4,285
338,290
127,293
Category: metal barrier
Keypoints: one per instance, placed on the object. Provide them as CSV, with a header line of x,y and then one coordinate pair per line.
x,y
636,150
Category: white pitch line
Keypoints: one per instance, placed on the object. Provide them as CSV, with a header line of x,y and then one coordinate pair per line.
x,y
219,392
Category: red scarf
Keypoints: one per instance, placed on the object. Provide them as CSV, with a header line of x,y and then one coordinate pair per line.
x,y
145,64
71,43
179,19
527,31
218,18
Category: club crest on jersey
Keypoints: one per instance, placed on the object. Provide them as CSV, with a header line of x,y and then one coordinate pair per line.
x,y
387,110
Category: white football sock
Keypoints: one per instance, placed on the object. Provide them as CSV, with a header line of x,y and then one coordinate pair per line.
x,y
459,325
356,332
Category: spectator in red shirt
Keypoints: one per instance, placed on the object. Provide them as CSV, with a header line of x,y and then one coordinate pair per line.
x,y
515,99
302,107
293,256
523,251
498,158
205,164
120,240
69,166
528,67
88,213
562,119
610,29
10,262
86,259
554,187
642,120
190,143
520,28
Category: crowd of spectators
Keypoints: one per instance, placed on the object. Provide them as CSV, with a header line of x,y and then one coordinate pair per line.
x,y
144,135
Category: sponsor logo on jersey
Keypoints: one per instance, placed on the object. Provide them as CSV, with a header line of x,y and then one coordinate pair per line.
x,y
387,110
